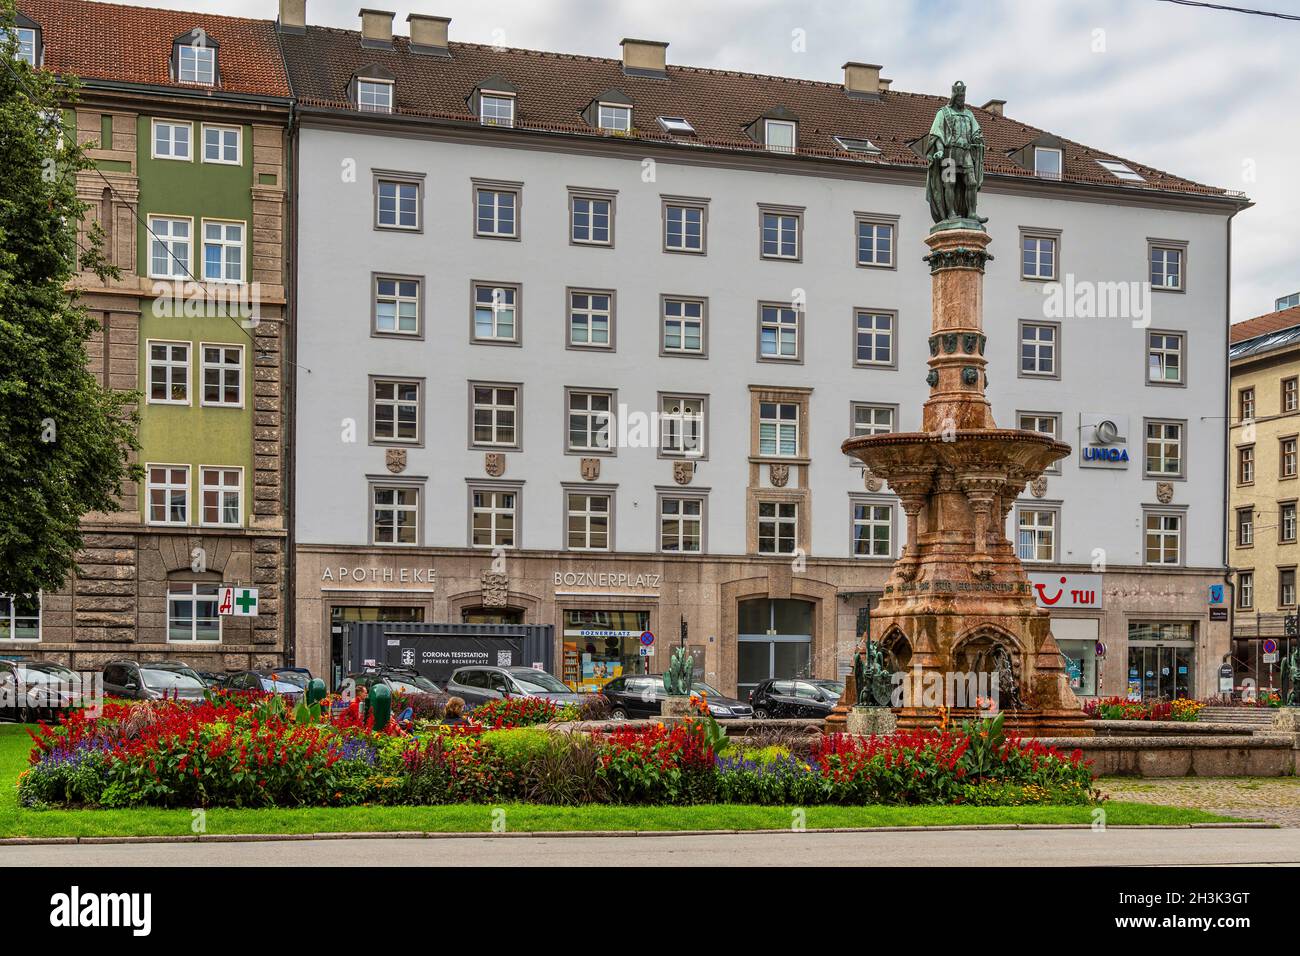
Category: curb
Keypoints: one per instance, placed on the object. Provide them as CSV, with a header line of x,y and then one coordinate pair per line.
x,y
572,834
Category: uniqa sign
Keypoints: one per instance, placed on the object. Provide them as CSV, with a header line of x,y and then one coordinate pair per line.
x,y
1103,441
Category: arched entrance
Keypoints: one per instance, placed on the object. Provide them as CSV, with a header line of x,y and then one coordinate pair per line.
x,y
775,640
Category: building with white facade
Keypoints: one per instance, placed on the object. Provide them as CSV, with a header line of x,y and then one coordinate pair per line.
x,y
578,340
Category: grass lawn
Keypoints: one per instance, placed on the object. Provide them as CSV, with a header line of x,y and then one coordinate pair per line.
x,y
15,821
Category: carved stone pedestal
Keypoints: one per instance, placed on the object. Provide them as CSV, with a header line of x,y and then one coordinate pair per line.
x,y
1287,720
871,721
675,707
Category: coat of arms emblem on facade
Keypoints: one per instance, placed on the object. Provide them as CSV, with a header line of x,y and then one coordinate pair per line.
x,y
590,468
494,463
1164,492
870,481
395,459
780,475
1038,487
683,472
495,588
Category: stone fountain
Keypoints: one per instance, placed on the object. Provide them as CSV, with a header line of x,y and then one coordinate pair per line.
x,y
958,602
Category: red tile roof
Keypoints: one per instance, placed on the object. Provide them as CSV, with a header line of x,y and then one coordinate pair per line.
x,y
553,89
1264,324
103,41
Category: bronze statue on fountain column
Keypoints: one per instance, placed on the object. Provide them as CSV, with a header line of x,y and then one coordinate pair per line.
x,y
955,149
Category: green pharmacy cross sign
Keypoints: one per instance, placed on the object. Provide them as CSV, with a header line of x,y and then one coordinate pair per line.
x,y
237,602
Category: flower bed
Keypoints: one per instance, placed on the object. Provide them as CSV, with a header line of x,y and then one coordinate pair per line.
x,y
255,752
1121,708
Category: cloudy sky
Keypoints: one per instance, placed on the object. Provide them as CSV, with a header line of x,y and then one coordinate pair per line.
x,y
1206,94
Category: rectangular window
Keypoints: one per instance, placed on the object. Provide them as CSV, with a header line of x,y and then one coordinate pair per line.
x,y
1166,267
589,421
196,64
1246,465
26,51
873,525
778,527
494,412
1286,587
168,493
681,524
496,213
1164,537
1245,527
591,319
375,96
683,326
779,136
1038,350
397,204
778,332
169,248
223,251
778,429
615,117
1045,423
496,109
1036,534
588,522
683,228
395,514
169,373
681,426
591,220
1037,257
1246,404
223,375
875,243
171,140
1246,590
192,613
1047,162
496,313
873,338
20,617
396,411
872,420
1164,451
1286,524
494,518
780,239
220,491
1165,358
1290,391
222,144
1287,457
397,305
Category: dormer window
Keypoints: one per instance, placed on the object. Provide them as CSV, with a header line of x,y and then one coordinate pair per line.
x,y
375,96
614,116
27,46
1120,170
27,40
194,58
496,109
1048,162
779,136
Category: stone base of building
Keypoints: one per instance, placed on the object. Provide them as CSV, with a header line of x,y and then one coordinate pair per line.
x,y
871,721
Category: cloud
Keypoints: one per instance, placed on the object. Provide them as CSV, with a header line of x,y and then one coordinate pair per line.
x,y
1201,93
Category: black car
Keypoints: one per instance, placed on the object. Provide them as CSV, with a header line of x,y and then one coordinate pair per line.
x,y
152,681
479,684
37,690
795,698
641,696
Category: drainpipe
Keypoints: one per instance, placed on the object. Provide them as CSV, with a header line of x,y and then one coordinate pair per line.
x,y
289,382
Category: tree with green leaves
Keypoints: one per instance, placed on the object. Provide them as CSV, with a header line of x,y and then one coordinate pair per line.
x,y
65,439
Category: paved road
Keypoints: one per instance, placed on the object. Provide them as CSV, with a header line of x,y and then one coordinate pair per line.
x,y
1115,847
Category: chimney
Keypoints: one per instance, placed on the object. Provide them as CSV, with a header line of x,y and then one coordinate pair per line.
x,y
376,28
995,107
862,79
429,34
644,57
293,16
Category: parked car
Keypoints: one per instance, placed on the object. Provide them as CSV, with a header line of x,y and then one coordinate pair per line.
x,y
479,684
37,690
267,681
795,698
151,681
641,696
400,680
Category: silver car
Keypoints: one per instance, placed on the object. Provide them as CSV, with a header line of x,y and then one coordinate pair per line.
x,y
479,684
